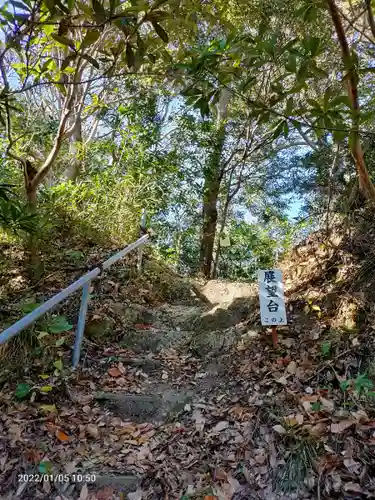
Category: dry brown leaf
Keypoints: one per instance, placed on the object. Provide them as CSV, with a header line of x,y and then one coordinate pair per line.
x,y
328,405
114,372
292,368
105,494
129,429
15,431
341,426
261,458
317,430
220,475
92,430
360,416
282,381
62,436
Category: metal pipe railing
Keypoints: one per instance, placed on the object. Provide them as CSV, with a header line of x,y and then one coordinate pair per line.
x,y
84,283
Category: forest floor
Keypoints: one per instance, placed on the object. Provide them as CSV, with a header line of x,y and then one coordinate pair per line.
x,y
177,398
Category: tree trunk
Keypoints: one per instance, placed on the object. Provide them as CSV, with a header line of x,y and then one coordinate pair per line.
x,y
365,182
75,146
220,234
34,265
211,193
213,174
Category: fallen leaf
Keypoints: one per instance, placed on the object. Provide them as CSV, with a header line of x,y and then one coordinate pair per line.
x,y
84,492
220,475
279,429
46,486
307,406
341,426
360,416
299,418
62,436
199,420
292,368
261,458
48,408
221,426
46,388
92,430
137,495
318,430
350,463
327,405
15,431
355,487
114,372
105,494
282,381
70,468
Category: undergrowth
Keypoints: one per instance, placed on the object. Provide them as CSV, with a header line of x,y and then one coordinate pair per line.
x,y
299,461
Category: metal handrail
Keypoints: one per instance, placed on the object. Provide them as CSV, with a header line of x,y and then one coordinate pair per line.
x,y
84,283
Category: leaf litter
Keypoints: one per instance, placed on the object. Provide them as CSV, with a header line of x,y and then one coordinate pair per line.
x,y
275,423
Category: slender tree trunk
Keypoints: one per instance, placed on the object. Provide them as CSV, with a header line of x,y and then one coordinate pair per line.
x,y
75,146
365,182
220,234
211,188
213,175
34,264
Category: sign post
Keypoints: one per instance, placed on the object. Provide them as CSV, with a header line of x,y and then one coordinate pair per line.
x,y
271,299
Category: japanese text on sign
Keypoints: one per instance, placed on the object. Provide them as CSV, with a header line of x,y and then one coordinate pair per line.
x,y
271,297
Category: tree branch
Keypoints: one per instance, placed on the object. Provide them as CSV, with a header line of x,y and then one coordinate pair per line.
x,y
370,17
60,135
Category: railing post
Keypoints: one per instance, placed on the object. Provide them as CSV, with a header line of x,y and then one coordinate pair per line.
x,y
81,323
143,231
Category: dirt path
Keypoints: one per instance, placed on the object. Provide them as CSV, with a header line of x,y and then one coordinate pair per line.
x,y
193,404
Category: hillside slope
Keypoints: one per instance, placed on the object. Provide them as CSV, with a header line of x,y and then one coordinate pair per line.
x,y
185,399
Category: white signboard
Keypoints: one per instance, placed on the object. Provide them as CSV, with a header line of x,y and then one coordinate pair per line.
x,y
271,297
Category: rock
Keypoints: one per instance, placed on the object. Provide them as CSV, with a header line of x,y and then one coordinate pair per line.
x,y
146,364
127,483
203,343
135,313
145,408
153,341
136,407
99,327
223,315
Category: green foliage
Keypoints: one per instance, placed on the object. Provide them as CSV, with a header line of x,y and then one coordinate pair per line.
x,y
316,406
22,390
15,216
361,385
251,249
325,348
59,324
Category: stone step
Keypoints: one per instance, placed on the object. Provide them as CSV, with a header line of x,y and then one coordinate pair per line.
x,y
145,407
